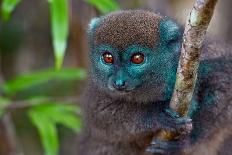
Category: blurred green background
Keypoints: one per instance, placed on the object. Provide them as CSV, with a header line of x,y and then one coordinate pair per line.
x,y
44,61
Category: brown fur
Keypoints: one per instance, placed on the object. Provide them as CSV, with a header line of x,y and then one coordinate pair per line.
x,y
123,28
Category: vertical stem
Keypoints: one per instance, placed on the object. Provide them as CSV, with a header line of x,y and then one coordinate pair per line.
x,y
193,39
1,76
7,140
194,35
7,133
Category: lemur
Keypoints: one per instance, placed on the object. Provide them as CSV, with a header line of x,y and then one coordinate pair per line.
x,y
134,56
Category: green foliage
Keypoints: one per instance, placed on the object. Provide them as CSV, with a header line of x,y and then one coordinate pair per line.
x,y
44,112
60,28
3,103
104,6
59,23
47,131
7,7
25,81
46,116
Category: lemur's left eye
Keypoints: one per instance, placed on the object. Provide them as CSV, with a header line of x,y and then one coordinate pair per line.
x,y
108,57
137,58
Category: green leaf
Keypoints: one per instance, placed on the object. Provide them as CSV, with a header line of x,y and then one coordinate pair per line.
x,y
37,78
47,131
47,115
3,103
7,7
60,28
104,6
62,114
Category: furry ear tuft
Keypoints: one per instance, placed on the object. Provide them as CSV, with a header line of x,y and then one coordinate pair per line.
x,y
169,31
92,26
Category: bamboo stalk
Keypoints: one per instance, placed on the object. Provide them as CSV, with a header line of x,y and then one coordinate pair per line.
x,y
8,138
193,38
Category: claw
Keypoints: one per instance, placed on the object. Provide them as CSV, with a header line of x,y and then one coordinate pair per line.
x,y
153,150
163,147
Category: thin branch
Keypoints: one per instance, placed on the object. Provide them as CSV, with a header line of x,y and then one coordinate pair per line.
x,y
27,104
193,39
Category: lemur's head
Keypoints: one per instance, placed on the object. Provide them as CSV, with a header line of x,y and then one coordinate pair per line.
x,y
134,54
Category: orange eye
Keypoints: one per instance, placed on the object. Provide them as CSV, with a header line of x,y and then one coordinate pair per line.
x,y
108,57
137,58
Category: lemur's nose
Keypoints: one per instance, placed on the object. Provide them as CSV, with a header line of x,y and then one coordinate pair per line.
x,y
120,84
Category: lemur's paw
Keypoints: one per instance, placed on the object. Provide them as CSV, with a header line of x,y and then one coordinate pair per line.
x,y
164,147
171,121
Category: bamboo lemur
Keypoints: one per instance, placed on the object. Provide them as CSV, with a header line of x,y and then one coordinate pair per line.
x,y
134,57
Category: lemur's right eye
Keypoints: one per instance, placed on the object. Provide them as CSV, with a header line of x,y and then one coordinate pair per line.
x,y
108,57
137,58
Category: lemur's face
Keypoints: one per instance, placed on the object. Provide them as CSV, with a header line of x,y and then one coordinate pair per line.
x,y
133,54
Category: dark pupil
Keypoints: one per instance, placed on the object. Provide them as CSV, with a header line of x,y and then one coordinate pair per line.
x,y
108,58
137,58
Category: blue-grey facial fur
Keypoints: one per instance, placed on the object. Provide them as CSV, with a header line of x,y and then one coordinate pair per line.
x,y
158,69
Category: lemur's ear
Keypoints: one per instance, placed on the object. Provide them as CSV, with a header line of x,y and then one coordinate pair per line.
x,y
170,32
92,26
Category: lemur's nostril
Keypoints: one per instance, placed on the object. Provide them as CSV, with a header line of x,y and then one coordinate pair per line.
x,y
120,84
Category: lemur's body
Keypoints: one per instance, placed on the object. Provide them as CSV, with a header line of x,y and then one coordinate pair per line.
x,y
134,55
